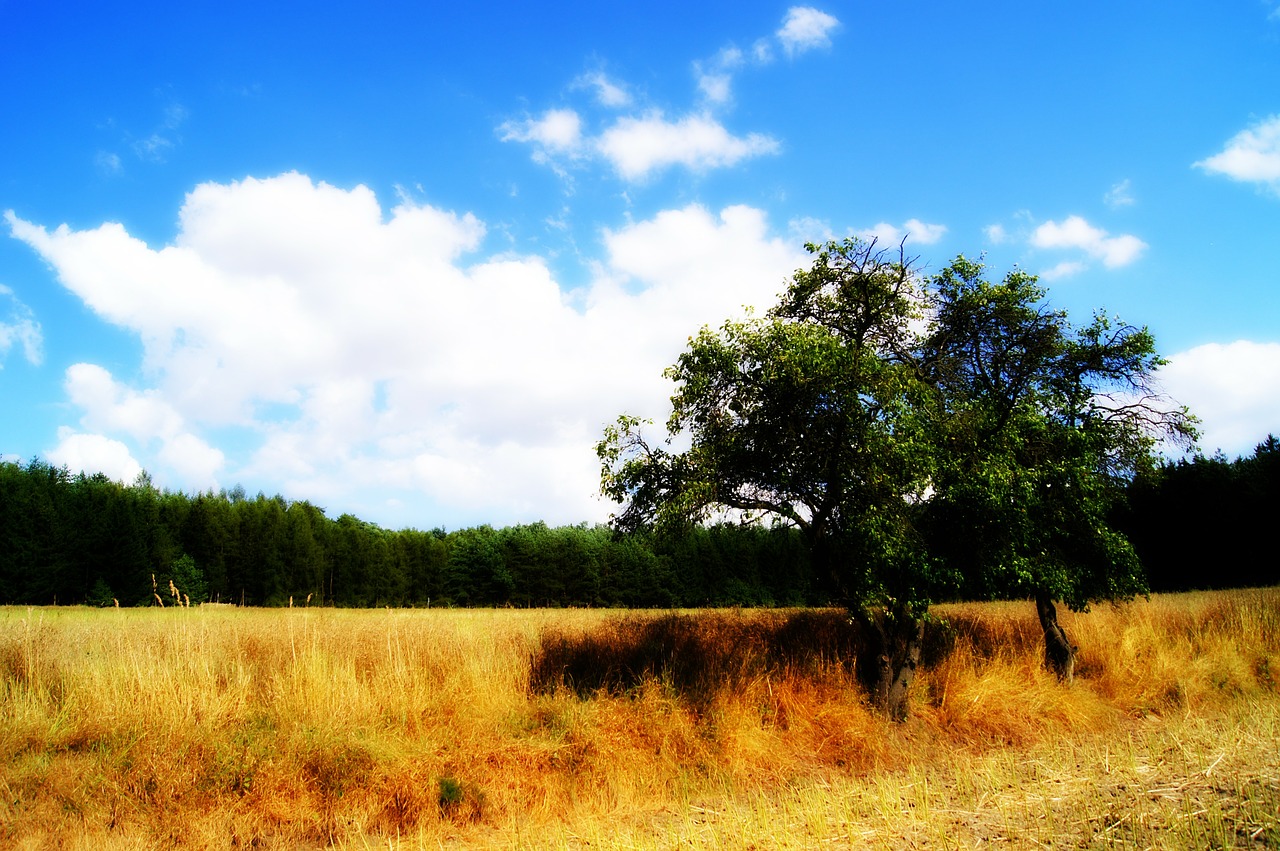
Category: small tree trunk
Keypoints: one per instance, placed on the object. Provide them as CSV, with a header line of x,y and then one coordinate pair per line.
x,y
1059,652
900,641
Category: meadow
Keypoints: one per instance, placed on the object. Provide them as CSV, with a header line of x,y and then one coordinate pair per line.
x,y
724,729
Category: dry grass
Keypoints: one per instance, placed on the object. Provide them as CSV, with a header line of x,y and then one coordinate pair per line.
x,y
565,729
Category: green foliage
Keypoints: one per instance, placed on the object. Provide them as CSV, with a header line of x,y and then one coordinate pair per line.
x,y
100,594
1040,426
927,436
188,578
808,416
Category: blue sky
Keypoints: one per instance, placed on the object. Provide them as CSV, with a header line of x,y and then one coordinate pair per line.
x,y
407,260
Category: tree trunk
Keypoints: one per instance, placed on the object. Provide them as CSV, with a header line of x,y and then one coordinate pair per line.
x,y
1059,652
899,641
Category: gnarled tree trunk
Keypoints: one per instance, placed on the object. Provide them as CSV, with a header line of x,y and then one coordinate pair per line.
x,y
1059,652
890,666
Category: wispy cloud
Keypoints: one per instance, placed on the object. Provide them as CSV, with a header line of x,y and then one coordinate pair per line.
x,y
1119,195
18,326
715,76
108,163
608,92
154,147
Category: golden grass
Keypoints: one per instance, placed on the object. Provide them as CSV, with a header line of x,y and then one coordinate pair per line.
x,y
222,727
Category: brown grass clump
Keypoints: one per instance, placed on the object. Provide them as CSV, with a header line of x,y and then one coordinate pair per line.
x,y
553,729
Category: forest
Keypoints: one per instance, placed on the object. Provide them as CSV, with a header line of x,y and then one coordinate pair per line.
x,y
85,539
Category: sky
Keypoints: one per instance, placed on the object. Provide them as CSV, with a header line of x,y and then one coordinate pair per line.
x,y
406,260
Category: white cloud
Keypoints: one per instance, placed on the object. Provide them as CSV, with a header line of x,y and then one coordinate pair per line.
x,y
94,453
637,147
1119,195
1251,156
19,327
1233,387
922,232
557,130
912,230
298,339
1076,233
805,28
996,234
883,233
641,143
147,418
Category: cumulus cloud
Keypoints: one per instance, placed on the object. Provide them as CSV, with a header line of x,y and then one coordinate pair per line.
x,y
1251,156
1233,387
637,147
298,336
912,230
18,326
1076,233
147,418
94,453
805,28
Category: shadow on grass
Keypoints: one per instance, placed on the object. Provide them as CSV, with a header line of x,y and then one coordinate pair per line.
x,y
699,655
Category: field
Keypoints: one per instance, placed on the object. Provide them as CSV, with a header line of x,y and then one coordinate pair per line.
x,y
221,727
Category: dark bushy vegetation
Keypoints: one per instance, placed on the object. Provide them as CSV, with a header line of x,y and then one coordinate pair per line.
x,y
77,539
74,539
1208,523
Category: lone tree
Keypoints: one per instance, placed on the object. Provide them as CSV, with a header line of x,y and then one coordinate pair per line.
x,y
810,416
895,420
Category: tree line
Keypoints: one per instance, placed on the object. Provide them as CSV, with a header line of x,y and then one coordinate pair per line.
x,y
70,538
75,539
1207,522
